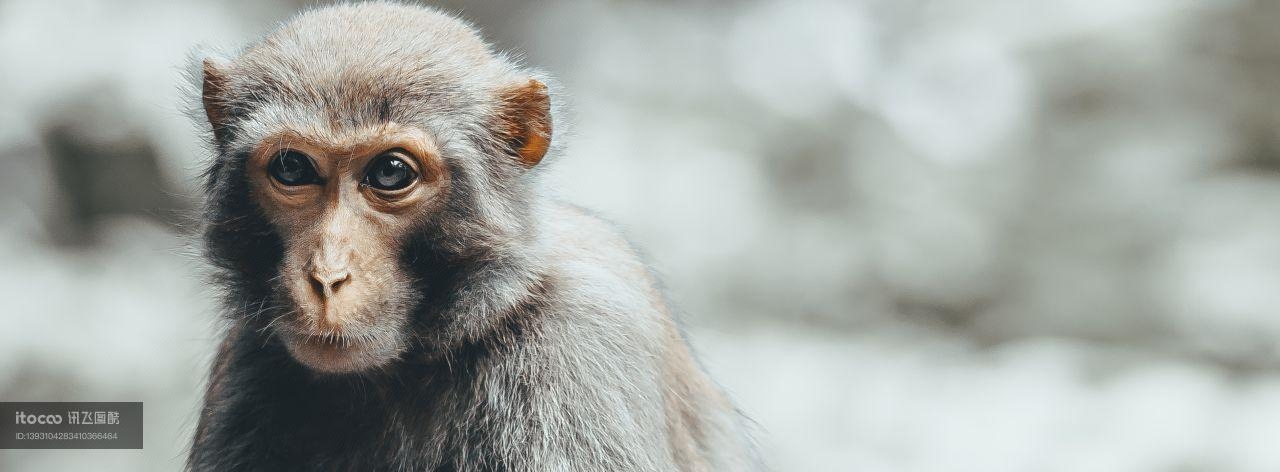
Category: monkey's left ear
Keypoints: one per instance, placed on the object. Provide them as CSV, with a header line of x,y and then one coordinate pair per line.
x,y
213,94
524,121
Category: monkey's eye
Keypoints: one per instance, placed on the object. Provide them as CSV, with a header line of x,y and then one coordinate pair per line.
x,y
293,168
389,172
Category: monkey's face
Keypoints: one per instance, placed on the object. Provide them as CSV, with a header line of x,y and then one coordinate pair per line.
x,y
343,207
354,192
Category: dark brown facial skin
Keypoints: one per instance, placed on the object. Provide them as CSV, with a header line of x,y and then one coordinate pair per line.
x,y
342,242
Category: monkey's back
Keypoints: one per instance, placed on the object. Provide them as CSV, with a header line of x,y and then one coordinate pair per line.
x,y
609,322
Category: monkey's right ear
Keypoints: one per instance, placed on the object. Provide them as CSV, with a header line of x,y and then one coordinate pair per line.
x,y
213,94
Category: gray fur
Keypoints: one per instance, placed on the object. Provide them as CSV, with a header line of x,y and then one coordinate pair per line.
x,y
552,347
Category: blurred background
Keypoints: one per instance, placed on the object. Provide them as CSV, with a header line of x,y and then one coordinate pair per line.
x,y
942,235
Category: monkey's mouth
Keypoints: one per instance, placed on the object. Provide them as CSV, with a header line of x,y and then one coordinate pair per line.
x,y
336,353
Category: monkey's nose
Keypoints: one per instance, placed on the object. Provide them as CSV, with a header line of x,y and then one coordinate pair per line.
x,y
327,282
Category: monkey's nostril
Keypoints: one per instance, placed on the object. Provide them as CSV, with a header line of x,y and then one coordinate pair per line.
x,y
316,286
342,280
326,284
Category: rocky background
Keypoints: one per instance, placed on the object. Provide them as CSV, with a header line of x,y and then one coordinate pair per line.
x,y
928,235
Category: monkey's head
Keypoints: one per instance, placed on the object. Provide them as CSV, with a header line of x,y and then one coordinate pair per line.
x,y
364,154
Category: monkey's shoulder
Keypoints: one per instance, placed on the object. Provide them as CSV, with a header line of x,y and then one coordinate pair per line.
x,y
592,255
599,280
573,230
573,235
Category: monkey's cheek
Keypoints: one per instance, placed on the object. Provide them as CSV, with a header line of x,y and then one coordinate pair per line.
x,y
339,356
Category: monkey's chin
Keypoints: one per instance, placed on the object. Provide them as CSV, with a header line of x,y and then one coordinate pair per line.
x,y
337,355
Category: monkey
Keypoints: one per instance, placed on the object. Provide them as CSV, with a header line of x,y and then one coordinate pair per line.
x,y
401,292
